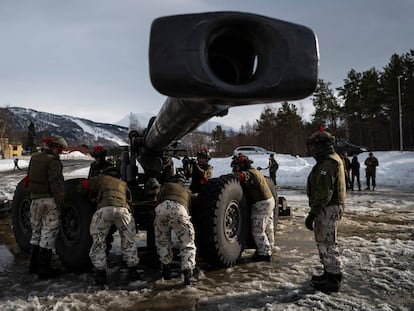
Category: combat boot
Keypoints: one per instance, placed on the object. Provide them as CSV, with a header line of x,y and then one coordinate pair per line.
x,y
257,257
34,258
331,283
133,274
166,271
44,269
319,278
100,277
189,278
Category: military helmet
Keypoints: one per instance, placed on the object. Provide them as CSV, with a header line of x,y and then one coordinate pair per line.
x,y
204,153
58,141
242,161
98,152
321,138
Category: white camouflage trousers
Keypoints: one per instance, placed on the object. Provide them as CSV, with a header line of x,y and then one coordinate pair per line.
x,y
325,228
263,226
170,215
100,225
44,219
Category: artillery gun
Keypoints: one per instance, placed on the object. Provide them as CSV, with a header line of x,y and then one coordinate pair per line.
x,y
205,63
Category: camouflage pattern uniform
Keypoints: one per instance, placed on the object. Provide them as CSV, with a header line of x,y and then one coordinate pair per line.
x,y
371,166
172,214
200,174
326,189
46,186
261,199
112,209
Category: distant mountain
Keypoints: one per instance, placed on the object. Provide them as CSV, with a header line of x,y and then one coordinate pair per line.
x,y
143,118
76,131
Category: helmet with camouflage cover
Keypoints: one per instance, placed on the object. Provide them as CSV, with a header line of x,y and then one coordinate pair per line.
x,y
242,161
55,141
320,142
98,152
204,153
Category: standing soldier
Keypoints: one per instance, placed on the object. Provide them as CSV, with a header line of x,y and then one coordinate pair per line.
x,y
100,163
113,209
326,191
47,191
371,167
355,172
172,213
273,167
201,171
260,197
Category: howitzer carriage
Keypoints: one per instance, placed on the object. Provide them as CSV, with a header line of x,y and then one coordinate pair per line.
x,y
205,64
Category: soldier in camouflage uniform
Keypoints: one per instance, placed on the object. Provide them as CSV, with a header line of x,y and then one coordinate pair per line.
x,y
112,209
201,171
100,163
370,171
172,213
326,190
46,186
262,201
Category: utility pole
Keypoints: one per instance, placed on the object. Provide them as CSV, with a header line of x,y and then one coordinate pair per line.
x,y
400,113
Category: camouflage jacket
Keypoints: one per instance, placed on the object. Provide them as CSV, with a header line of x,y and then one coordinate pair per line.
x,y
200,175
326,183
46,177
255,185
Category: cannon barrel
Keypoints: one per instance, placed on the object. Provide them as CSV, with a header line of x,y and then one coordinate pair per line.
x,y
206,63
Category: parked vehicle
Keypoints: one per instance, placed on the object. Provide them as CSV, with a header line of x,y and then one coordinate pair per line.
x,y
206,63
250,150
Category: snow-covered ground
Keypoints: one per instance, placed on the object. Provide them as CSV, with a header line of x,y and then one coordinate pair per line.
x,y
376,240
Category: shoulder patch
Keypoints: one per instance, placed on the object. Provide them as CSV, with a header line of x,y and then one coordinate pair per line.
x,y
324,173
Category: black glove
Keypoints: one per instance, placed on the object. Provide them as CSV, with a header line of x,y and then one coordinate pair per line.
x,y
309,221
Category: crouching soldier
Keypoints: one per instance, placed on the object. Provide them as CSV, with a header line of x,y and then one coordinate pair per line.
x,y
112,209
172,213
46,185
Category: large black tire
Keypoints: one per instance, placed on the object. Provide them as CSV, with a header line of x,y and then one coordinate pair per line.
x,y
222,221
74,240
21,217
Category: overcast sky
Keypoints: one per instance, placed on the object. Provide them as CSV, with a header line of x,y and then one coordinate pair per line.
x,y
89,58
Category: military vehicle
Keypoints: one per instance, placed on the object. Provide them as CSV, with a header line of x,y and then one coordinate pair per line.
x,y
205,64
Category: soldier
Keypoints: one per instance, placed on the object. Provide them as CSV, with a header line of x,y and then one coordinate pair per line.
x,y
371,166
172,213
326,190
113,209
260,197
273,167
201,171
355,172
100,163
46,186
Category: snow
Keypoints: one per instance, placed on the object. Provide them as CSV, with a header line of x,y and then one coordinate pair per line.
x,y
375,240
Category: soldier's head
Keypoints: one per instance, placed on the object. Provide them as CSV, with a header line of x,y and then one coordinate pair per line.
x,y
111,171
56,143
152,188
203,156
99,153
320,142
241,162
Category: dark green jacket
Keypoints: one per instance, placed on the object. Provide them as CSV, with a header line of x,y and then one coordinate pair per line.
x,y
255,185
326,182
45,176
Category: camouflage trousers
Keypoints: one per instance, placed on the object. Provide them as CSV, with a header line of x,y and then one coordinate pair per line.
x,y
100,225
44,219
170,215
263,226
325,228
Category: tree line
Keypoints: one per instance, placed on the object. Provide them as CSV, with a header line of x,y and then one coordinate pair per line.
x,y
365,110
